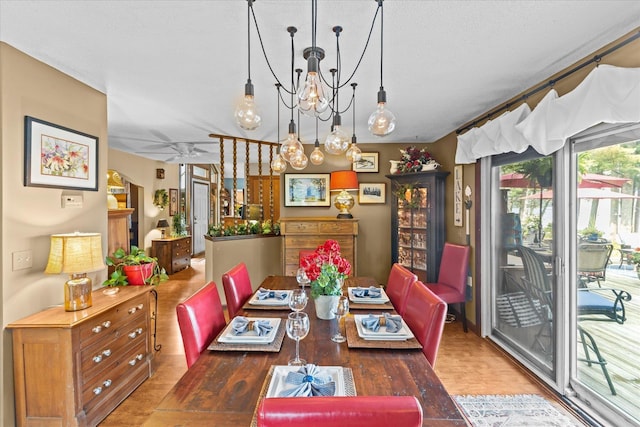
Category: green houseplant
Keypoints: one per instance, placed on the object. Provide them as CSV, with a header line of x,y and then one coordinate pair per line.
x,y
179,225
134,268
161,198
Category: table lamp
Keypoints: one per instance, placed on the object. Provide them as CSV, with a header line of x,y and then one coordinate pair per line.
x,y
344,181
163,224
76,254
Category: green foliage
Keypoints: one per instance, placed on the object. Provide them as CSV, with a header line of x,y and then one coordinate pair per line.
x,y
161,198
136,256
179,225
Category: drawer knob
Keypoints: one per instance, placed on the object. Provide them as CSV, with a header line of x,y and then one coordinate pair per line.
x,y
107,383
136,308
106,323
97,390
97,358
107,352
135,333
135,360
97,329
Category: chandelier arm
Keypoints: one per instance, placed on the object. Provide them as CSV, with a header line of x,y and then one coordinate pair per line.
x,y
351,102
264,52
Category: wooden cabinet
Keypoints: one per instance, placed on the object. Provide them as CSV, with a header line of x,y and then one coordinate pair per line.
x,y
417,222
309,233
174,254
270,194
118,229
74,368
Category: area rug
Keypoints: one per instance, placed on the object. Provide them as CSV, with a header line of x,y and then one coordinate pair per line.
x,y
513,410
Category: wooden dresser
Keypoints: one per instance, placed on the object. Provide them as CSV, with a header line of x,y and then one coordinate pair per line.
x,y
173,253
310,232
74,368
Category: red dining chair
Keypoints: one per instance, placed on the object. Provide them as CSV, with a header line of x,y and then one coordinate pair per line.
x,y
200,318
398,284
452,279
237,288
425,314
354,411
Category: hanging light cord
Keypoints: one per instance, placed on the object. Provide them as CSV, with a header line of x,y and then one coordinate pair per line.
x,y
250,3
381,38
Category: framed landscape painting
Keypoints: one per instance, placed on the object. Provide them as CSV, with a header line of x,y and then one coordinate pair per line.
x,y
59,157
371,193
368,163
306,189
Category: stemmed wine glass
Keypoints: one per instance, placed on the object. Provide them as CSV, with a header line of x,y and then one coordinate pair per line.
x,y
298,300
340,310
301,277
297,329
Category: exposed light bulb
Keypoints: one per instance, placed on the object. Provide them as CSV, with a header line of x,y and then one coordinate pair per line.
x,y
354,154
382,121
317,156
299,161
337,141
312,100
278,165
247,114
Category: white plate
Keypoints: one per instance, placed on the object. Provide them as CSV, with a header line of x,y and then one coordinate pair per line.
x,y
368,300
251,337
277,384
270,301
382,335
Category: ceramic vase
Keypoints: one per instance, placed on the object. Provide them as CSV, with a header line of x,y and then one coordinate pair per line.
x,y
394,166
137,274
325,305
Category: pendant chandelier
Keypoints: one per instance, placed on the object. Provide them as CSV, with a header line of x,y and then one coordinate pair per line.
x,y
315,97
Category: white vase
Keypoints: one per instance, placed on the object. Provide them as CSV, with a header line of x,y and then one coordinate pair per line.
x,y
394,166
325,305
432,165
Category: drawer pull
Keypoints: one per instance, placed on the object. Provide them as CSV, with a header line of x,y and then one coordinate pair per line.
x,y
107,383
97,390
136,308
135,333
106,323
135,360
98,357
107,352
97,329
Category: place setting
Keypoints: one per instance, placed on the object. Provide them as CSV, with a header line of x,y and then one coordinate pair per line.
x,y
269,299
250,334
379,331
369,298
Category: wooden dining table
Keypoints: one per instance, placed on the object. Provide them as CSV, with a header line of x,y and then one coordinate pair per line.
x,y
223,388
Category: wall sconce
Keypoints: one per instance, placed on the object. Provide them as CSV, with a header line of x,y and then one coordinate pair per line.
x,y
76,254
163,224
344,181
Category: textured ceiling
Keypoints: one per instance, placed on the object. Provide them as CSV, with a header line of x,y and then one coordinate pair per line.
x,y
173,70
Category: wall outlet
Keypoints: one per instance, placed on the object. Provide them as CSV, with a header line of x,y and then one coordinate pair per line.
x,y
22,260
71,201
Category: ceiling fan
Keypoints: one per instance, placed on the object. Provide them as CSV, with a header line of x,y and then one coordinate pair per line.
x,y
179,150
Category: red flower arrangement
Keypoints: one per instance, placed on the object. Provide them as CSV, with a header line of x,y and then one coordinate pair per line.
x,y
413,158
326,269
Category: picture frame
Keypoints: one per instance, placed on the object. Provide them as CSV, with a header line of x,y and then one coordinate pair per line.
x,y
307,189
370,192
368,162
457,196
58,157
173,201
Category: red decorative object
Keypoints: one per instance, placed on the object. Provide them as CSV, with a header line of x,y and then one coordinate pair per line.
x,y
326,269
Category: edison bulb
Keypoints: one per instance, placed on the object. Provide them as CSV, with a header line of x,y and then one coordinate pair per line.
x,y
278,165
290,147
312,100
299,161
382,121
354,154
317,156
337,141
247,115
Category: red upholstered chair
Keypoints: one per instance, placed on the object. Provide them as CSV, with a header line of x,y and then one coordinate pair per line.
x,y
398,284
356,411
237,288
425,314
452,279
201,318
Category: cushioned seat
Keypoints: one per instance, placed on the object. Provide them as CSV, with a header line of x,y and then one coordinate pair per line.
x,y
398,284
237,288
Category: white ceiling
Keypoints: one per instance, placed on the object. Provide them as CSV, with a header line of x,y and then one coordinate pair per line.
x,y
173,70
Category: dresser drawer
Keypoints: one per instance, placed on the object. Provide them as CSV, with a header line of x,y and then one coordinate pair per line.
x,y
302,227
337,227
182,245
103,326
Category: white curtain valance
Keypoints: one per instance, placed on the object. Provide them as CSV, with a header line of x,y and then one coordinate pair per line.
x,y
608,94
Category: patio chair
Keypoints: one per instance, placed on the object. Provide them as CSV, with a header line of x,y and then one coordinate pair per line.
x,y
593,259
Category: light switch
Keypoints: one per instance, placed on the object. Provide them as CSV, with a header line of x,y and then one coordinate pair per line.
x,y
71,201
22,260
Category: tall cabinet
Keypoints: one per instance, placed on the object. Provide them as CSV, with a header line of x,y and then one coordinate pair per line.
x,y
418,222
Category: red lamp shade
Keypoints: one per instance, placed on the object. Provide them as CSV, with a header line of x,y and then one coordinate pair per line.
x,y
344,180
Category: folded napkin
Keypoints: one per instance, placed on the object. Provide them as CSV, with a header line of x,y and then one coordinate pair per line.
x,y
241,325
309,381
370,292
393,323
268,293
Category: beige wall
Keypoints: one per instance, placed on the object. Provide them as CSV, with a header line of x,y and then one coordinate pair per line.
x,y
30,214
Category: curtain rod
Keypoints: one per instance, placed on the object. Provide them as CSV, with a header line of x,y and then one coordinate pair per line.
x,y
550,83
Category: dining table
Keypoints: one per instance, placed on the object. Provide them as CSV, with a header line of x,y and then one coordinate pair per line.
x,y
224,387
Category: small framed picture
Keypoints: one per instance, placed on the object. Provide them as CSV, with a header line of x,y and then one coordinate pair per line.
x,y
371,193
306,189
368,163
173,201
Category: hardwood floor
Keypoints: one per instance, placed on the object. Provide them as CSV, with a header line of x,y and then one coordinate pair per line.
x,y
466,364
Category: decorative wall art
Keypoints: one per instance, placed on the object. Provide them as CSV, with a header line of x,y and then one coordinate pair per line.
x,y
59,157
368,163
371,193
173,201
307,189
457,196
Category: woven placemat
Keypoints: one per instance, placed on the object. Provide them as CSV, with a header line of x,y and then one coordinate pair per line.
x,y
248,306
349,389
364,306
355,341
272,347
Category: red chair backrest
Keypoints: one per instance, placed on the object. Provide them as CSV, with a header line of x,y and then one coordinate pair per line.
x,y
200,318
237,288
425,314
356,411
398,284
454,266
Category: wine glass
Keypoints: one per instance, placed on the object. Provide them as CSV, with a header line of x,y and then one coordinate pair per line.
x,y
301,277
298,300
341,309
297,329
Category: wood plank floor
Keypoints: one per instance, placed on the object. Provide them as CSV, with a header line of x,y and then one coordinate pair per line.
x,y
466,364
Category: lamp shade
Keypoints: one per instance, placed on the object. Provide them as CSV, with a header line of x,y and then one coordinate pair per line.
x,y
343,180
75,253
163,223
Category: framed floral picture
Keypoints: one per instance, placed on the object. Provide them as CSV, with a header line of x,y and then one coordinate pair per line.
x,y
307,189
371,193
368,163
59,157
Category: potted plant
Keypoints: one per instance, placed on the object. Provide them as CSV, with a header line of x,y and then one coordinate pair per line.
x,y
326,269
161,198
179,225
134,268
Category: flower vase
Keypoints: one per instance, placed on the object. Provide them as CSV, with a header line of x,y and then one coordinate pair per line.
x,y
325,305
394,166
432,165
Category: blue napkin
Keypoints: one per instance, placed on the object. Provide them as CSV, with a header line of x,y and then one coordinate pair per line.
x,y
268,293
310,382
242,324
393,323
370,292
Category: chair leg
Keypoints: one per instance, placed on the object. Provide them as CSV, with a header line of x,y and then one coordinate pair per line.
x,y
600,360
464,316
